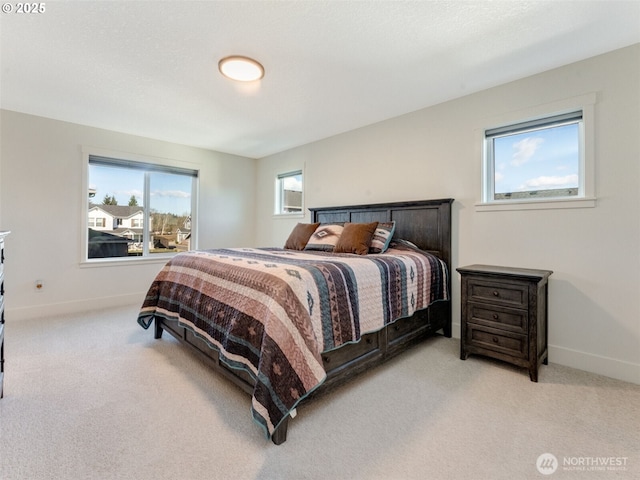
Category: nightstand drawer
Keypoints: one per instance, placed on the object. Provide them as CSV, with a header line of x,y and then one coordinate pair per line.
x,y
507,343
510,294
502,318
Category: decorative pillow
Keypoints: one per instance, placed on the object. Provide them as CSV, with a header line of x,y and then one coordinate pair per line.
x,y
325,237
356,238
399,242
382,237
300,235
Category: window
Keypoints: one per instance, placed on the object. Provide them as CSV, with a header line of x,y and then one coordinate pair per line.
x,y
536,159
289,193
545,161
138,209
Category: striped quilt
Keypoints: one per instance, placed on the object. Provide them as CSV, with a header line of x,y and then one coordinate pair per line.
x,y
272,312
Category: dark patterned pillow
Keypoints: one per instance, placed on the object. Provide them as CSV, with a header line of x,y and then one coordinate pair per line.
x,y
356,238
382,237
300,236
325,237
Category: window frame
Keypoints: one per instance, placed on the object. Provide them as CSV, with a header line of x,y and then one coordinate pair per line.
x,y
279,194
148,164
537,116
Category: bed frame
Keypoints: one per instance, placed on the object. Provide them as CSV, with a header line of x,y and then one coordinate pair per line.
x,y
427,224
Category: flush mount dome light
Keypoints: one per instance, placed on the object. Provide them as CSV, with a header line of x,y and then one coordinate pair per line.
x,y
240,68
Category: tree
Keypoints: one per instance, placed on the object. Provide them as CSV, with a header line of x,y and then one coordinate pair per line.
x,y
133,202
109,200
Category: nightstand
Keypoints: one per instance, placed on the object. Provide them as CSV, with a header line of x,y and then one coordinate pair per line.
x,y
504,315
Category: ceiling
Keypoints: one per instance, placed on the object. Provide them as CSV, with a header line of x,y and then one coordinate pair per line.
x,y
149,68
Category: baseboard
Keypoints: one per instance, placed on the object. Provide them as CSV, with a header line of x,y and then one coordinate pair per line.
x,y
77,306
607,366
455,329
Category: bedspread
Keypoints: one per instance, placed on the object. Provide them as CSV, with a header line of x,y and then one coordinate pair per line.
x,y
272,312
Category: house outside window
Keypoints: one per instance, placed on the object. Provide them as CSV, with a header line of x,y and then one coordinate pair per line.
x,y
138,209
289,193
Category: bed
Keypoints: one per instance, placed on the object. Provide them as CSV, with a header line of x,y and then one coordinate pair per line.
x,y
286,325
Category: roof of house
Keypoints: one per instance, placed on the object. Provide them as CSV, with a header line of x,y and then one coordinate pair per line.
x,y
119,211
121,231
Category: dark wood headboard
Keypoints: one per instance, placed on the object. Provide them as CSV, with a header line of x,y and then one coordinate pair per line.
x,y
426,223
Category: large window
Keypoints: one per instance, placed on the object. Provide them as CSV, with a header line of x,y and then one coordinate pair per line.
x,y
539,159
138,209
289,193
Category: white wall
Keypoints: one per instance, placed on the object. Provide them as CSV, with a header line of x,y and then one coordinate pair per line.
x,y
41,167
594,320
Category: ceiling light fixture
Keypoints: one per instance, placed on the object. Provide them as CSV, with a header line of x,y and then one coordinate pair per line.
x,y
242,69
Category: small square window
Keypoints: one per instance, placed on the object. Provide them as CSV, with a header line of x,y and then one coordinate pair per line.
x,y
289,193
535,160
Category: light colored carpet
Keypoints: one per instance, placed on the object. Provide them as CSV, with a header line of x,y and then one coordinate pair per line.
x,y
94,396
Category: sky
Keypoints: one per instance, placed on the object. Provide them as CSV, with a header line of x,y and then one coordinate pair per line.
x,y
538,160
169,193
293,183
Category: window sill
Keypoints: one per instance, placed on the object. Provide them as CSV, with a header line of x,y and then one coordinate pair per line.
x,y
126,261
557,203
288,215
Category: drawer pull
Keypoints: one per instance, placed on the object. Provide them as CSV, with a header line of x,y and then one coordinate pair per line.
x,y
368,341
495,339
396,328
496,293
495,316
326,359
